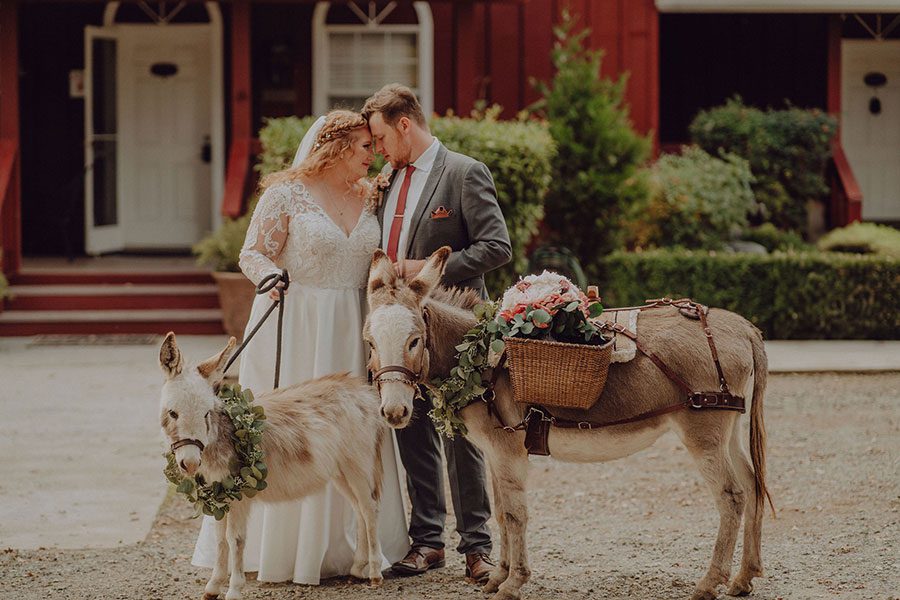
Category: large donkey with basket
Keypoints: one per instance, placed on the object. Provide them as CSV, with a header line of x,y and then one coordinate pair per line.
x,y
321,430
413,328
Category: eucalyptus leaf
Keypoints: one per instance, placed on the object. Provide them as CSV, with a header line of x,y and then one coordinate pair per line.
x,y
498,346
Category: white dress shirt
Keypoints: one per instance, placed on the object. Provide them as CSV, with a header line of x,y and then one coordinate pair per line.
x,y
423,166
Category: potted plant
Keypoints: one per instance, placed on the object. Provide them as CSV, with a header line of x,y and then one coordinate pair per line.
x,y
221,250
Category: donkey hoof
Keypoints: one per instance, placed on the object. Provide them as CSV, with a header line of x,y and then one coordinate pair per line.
x,y
704,595
375,582
490,587
209,596
507,595
740,588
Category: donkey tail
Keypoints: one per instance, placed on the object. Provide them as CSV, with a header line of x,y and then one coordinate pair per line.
x,y
757,426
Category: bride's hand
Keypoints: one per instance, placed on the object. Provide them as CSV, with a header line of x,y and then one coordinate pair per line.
x,y
273,293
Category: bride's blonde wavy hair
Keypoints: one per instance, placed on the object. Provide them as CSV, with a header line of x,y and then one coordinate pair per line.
x,y
333,140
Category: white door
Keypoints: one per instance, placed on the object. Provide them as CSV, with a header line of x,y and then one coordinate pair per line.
x,y
872,141
103,219
164,135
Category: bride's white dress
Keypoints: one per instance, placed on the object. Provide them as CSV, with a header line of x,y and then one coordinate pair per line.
x,y
324,311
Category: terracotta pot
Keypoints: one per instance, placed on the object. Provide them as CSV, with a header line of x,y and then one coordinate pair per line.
x,y
236,294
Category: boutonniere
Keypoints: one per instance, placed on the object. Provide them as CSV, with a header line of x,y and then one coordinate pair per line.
x,y
380,184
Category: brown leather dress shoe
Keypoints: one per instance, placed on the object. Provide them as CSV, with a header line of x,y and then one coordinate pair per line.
x,y
418,560
478,566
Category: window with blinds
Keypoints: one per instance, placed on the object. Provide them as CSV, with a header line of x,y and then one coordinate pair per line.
x,y
362,61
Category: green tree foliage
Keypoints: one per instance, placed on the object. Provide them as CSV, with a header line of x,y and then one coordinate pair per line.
x,y
596,169
695,201
787,150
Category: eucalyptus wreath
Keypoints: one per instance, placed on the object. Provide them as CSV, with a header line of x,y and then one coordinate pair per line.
x,y
248,473
562,319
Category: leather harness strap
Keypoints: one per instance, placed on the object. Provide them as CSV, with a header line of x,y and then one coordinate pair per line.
x,y
538,419
186,442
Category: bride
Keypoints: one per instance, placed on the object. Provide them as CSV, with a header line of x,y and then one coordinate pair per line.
x,y
315,220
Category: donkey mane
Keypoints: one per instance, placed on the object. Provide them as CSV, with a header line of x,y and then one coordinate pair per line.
x,y
457,297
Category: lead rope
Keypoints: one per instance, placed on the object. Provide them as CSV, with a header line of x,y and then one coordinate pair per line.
x,y
264,287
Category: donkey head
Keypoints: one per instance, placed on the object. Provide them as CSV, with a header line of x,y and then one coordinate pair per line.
x,y
397,332
188,400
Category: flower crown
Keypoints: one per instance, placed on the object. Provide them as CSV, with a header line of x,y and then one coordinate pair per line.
x,y
335,132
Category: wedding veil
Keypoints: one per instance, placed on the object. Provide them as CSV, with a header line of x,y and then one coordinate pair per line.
x,y
306,145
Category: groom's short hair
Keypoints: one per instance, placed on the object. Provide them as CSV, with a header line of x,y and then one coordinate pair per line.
x,y
394,101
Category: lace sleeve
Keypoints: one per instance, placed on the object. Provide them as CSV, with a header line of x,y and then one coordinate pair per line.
x,y
266,235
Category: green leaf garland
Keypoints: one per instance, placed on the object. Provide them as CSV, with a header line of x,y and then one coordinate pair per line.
x,y
248,475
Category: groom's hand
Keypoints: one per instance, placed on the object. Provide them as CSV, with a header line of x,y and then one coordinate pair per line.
x,y
408,269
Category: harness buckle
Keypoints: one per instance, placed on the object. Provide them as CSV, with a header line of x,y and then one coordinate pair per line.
x,y
584,425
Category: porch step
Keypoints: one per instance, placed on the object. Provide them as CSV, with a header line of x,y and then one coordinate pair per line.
x,y
111,302
111,297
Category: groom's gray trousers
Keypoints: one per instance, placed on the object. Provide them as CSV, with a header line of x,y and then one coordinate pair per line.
x,y
420,449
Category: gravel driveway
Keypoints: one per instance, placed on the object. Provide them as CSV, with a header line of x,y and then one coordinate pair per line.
x,y
642,527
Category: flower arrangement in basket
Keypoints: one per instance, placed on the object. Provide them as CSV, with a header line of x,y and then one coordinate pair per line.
x,y
555,354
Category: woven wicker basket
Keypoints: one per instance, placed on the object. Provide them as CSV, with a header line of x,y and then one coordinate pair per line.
x,y
557,374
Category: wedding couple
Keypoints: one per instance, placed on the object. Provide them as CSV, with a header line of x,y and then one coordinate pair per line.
x,y
317,220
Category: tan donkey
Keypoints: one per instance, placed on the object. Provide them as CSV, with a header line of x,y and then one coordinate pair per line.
x,y
416,325
325,429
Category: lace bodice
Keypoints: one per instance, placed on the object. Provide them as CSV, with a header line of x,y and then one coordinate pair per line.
x,y
289,230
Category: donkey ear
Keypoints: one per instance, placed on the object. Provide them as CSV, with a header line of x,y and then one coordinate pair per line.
x,y
381,273
213,368
430,275
170,357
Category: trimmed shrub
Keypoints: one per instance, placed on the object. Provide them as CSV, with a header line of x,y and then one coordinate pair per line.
x,y
695,201
596,170
519,155
280,139
809,295
774,239
787,150
863,238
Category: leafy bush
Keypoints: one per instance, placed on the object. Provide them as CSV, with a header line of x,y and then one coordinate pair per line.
x,y
517,153
221,249
775,239
695,201
808,295
787,150
863,238
280,139
595,172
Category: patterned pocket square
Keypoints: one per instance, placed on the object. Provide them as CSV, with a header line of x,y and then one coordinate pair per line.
x,y
441,213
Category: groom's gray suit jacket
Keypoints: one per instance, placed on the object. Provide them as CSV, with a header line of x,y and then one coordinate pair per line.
x,y
458,208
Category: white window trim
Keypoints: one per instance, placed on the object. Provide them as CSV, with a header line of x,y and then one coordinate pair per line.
x,y
424,36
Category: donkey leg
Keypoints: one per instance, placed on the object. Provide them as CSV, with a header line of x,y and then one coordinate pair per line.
x,y
710,450
216,583
751,560
361,552
501,571
237,535
362,486
511,474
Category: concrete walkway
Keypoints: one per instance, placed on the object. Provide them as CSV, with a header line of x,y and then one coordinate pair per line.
x,y
81,449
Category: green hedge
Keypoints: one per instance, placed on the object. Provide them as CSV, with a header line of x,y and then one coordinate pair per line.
x,y
518,154
810,295
863,238
787,150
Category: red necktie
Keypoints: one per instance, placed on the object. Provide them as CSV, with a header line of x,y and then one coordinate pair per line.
x,y
397,223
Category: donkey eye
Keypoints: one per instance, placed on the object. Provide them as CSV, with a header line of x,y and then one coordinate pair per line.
x,y
173,414
414,343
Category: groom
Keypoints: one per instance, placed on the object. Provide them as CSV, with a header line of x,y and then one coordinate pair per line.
x,y
437,198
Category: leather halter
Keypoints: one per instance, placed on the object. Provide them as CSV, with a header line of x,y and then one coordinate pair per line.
x,y
410,377
187,442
